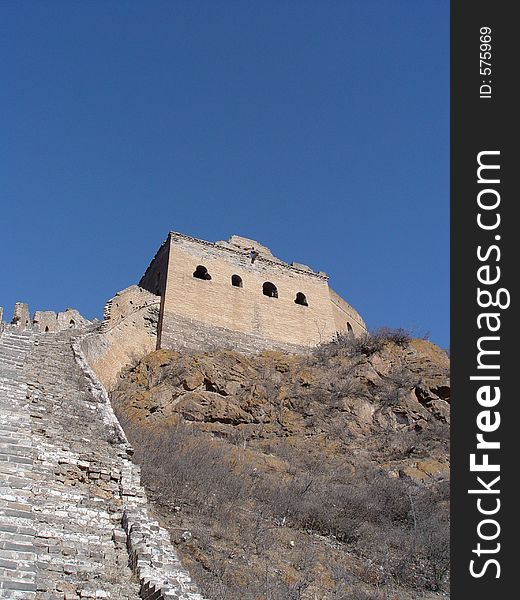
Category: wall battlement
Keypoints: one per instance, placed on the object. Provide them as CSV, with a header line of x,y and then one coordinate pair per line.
x,y
46,321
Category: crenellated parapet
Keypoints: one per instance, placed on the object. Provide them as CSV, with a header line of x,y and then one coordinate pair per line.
x,y
45,321
21,318
48,321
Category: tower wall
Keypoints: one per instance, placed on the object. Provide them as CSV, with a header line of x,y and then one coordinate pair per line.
x,y
199,312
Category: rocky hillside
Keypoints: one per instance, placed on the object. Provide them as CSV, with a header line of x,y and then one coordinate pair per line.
x,y
317,476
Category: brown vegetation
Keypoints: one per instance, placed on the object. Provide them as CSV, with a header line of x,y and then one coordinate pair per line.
x,y
291,477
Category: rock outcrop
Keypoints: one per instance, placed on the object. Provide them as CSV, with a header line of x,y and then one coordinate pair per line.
x,y
326,471
394,389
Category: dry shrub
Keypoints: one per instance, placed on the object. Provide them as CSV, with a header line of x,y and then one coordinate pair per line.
x,y
367,344
395,524
397,529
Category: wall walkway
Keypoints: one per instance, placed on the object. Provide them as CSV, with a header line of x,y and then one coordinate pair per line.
x,y
74,519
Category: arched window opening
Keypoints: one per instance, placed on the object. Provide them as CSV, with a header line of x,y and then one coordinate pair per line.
x,y
201,273
72,323
269,289
46,329
349,328
301,299
236,281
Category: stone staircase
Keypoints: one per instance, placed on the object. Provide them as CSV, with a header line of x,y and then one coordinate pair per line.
x,y
80,546
74,521
17,457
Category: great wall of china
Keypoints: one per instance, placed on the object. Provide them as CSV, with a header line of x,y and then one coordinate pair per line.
x,y
74,518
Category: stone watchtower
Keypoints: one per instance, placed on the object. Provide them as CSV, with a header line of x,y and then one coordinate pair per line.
x,y
237,294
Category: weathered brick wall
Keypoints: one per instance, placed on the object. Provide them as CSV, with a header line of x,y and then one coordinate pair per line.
x,y
128,332
245,310
49,321
150,552
182,333
21,317
345,315
154,278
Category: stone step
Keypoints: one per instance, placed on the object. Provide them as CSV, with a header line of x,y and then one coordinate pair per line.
x,y
17,553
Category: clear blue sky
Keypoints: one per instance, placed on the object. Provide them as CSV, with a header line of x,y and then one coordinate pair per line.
x,y
319,128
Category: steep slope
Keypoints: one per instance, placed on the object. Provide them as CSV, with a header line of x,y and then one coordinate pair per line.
x,y
74,520
283,476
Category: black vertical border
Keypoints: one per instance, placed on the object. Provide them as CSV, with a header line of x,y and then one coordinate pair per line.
x,y
478,125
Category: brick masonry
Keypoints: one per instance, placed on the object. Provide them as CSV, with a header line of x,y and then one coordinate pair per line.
x,y
128,331
21,318
190,334
246,311
18,569
74,519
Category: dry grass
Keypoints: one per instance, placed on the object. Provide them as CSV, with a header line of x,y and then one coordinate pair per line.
x,y
316,514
